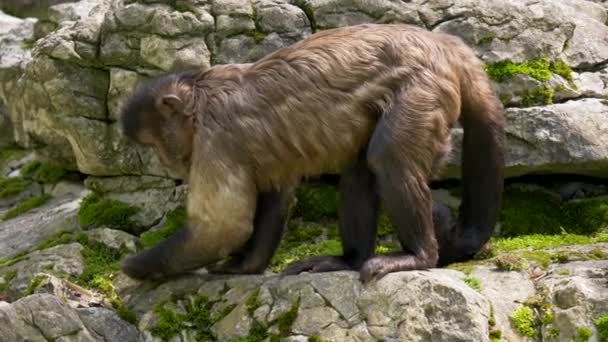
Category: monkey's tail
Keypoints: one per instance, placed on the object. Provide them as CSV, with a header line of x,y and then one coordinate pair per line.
x,y
482,161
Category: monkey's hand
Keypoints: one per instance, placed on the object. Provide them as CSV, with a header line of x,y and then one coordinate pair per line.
x,y
317,265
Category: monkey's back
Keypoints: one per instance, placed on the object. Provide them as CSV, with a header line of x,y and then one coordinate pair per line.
x,y
312,106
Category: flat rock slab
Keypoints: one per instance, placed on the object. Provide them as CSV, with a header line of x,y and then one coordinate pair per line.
x,y
23,232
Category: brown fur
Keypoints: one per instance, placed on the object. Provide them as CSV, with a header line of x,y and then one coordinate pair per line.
x,y
388,92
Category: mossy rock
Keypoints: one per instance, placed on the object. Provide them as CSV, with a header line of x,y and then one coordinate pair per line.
x,y
96,211
12,186
45,173
536,212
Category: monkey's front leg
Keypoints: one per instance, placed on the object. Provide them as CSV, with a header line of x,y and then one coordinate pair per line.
x,y
221,207
268,225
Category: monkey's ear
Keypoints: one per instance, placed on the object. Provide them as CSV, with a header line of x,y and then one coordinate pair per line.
x,y
173,102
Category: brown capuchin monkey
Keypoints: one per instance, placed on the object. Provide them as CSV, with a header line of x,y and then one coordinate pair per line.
x,y
372,103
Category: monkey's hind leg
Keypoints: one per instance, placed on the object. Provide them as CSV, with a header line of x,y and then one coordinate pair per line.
x,y
268,225
358,214
405,143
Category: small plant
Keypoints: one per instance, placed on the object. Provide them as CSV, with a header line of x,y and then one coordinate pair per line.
x,y
523,321
583,334
473,282
602,327
174,221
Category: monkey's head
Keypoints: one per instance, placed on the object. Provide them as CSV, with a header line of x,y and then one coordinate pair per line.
x,y
159,114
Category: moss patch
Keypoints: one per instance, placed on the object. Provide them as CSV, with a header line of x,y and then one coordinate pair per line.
x,y
8,277
538,96
12,153
473,282
34,283
540,69
26,205
174,221
494,334
45,173
601,323
12,186
96,211
583,334
536,212
284,257
523,321
510,263
316,202
197,317
539,241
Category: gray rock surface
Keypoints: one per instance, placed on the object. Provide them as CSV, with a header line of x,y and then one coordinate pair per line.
x,y
140,39
23,232
43,317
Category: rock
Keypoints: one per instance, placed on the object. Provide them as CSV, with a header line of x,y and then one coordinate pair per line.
x,y
536,139
115,239
64,260
105,325
43,317
505,291
25,231
34,189
335,306
578,292
127,183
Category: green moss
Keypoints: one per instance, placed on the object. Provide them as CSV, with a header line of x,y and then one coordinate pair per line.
x,y
315,338
538,96
26,205
45,173
510,263
488,38
583,334
494,334
13,260
542,258
540,241
602,327
253,301
385,228
258,37
285,257
96,211
554,333
12,186
316,202
303,240
34,283
473,282
8,277
174,221
536,212
286,319
198,317
523,321
12,153
563,272
559,67
504,70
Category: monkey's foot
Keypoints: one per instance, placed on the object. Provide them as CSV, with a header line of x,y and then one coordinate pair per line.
x,y
137,267
378,266
317,265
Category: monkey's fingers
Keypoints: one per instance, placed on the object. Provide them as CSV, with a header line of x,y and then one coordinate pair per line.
x,y
317,265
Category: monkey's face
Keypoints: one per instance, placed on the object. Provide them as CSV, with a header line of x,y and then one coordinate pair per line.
x,y
156,116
